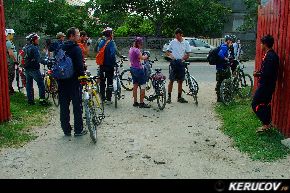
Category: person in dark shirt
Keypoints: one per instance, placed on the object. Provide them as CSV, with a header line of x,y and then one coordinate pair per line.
x,y
70,89
222,67
32,70
106,70
267,75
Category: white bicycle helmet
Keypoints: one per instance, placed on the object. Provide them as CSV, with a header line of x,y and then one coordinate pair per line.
x,y
9,31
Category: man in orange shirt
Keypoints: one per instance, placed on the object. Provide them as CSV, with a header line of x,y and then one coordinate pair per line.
x,y
84,45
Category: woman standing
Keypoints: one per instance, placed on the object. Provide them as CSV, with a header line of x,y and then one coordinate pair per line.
x,y
138,73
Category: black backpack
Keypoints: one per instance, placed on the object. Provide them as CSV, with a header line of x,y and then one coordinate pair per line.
x,y
213,57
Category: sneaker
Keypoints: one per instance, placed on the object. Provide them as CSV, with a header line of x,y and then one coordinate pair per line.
x,y
182,100
168,100
84,132
44,103
31,102
67,134
136,104
143,105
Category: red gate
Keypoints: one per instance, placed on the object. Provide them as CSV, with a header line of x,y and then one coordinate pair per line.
x,y
274,19
4,94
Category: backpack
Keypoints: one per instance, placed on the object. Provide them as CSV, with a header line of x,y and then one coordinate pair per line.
x,y
63,68
213,57
25,54
100,57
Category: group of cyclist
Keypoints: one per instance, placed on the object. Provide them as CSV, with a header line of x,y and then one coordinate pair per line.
x,y
77,48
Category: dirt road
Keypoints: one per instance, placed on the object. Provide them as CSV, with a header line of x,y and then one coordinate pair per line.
x,y
183,141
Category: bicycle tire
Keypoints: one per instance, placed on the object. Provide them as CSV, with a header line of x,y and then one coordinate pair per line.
x,y
17,77
245,86
100,106
89,110
194,88
161,95
226,92
47,89
128,79
55,99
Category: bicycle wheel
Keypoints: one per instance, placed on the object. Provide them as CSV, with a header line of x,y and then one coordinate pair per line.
x,y
54,91
18,80
194,88
126,80
47,87
226,93
115,86
91,119
245,86
149,91
161,95
100,105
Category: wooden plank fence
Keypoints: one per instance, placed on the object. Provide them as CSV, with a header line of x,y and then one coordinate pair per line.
x,y
274,19
4,92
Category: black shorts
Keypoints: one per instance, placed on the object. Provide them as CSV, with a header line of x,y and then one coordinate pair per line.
x,y
176,70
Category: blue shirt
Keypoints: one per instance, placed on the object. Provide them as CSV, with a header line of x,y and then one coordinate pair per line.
x,y
110,52
223,53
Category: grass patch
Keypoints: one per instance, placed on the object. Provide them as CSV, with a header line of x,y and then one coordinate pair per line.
x,y
15,132
240,123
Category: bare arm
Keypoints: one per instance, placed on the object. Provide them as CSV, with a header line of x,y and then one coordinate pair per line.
x,y
11,54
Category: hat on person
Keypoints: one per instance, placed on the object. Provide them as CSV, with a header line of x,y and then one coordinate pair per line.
x,y
9,31
59,35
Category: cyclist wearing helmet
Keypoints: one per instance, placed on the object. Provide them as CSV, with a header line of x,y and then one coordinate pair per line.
x,y
106,70
138,73
12,58
32,70
222,68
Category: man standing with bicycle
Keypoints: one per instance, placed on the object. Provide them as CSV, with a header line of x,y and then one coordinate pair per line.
x,y
178,50
222,66
267,75
70,89
107,69
12,58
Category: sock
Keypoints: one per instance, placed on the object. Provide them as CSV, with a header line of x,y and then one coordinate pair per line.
x,y
179,95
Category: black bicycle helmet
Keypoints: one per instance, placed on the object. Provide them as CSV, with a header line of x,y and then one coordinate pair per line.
x,y
32,37
107,32
228,37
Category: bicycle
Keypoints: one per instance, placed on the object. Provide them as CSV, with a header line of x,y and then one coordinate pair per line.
x,y
157,82
92,104
240,84
126,78
50,84
117,83
20,77
191,83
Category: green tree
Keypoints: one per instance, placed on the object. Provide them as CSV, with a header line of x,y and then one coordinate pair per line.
x,y
250,23
196,17
45,16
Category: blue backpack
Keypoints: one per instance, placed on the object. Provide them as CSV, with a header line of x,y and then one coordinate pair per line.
x,y
63,68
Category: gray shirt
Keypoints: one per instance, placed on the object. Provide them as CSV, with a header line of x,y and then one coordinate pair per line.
x,y
10,45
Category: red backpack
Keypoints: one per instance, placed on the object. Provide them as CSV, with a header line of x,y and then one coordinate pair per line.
x,y
100,57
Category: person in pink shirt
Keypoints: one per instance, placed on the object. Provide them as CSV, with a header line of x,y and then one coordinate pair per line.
x,y
138,73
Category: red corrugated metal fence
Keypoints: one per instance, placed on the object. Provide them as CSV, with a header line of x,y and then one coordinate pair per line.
x,y
4,95
274,19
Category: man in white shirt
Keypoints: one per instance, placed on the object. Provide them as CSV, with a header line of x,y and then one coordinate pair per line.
x,y
178,50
